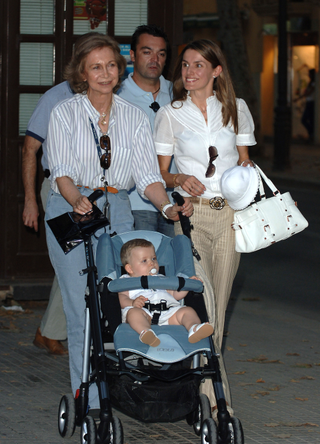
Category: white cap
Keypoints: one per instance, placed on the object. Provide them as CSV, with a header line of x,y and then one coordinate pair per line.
x,y
239,185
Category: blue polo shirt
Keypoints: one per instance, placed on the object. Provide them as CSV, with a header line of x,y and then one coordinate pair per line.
x,y
39,121
131,92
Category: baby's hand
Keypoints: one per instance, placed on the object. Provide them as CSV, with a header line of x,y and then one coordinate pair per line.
x,y
196,278
139,302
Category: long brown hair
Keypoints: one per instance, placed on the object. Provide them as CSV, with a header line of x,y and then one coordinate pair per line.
x,y
222,85
83,46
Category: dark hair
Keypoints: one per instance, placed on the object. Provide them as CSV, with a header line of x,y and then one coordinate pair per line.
x,y
127,248
83,46
153,30
222,85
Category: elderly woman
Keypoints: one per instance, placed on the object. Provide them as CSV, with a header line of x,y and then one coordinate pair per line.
x,y
96,139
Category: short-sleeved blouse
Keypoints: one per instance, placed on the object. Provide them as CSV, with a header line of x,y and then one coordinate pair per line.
x,y
182,130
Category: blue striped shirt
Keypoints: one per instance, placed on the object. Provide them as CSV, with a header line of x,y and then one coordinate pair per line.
x,y
72,150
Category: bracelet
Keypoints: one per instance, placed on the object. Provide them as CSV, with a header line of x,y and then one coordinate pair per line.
x,y
166,202
175,185
165,208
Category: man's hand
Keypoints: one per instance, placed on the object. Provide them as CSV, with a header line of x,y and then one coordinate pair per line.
x,y
29,170
30,214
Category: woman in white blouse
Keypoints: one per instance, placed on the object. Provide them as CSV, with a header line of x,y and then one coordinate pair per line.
x,y
208,131
96,140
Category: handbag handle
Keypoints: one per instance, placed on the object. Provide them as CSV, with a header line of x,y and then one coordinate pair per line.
x,y
270,184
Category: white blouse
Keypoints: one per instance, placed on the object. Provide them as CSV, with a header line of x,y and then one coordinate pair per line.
x,y
182,130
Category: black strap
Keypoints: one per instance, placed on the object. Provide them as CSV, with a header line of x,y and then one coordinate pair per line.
x,y
155,318
182,282
95,135
144,282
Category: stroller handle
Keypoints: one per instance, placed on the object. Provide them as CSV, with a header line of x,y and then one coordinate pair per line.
x,y
95,195
184,220
185,223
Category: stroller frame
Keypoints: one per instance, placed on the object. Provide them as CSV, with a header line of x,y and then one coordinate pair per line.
x,y
74,411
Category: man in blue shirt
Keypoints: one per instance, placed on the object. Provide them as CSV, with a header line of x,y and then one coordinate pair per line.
x,y
53,327
148,89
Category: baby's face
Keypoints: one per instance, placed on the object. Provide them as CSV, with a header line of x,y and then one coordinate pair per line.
x,y
143,262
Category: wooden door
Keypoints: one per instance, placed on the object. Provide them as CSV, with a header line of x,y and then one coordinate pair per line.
x,y
36,42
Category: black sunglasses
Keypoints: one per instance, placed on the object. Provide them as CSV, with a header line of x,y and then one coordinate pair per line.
x,y
105,159
155,106
213,154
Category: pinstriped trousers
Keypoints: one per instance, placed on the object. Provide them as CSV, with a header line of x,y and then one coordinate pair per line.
x,y
215,242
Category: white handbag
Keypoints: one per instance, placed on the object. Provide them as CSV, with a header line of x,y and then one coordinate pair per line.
x,y
267,221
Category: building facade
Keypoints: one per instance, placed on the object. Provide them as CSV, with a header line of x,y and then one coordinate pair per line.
x,y
36,42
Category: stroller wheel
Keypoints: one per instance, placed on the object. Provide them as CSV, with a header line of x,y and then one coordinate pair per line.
x,y
88,434
204,412
67,416
116,431
209,432
236,432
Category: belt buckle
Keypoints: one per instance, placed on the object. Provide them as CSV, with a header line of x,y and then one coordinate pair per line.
x,y
217,203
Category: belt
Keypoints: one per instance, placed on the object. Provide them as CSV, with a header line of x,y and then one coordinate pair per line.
x,y
111,190
46,173
216,203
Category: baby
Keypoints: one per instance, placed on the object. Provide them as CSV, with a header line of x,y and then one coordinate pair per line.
x,y
139,259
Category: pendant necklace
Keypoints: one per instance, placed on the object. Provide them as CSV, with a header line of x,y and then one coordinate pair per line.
x,y
104,115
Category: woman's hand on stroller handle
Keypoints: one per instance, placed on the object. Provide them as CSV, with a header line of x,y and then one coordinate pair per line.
x,y
95,195
186,209
184,220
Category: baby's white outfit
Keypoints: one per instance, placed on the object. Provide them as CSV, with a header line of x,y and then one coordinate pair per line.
x,y
154,296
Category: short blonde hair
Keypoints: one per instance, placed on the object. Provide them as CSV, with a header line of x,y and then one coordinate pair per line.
x,y
83,46
127,248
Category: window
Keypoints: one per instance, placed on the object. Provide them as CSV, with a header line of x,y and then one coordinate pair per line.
x,y
37,58
128,15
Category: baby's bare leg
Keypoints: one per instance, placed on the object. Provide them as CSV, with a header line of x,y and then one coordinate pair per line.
x,y
138,319
185,316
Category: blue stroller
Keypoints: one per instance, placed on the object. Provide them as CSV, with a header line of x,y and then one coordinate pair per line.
x,y
150,384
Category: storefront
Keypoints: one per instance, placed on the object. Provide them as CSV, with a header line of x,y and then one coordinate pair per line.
x,y
37,37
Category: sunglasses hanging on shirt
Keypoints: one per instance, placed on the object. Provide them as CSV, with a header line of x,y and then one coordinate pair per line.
x,y
105,159
213,154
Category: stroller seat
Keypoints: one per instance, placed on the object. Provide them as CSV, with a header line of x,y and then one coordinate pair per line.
x,y
174,346
176,265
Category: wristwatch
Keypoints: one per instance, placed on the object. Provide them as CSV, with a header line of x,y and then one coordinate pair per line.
x,y
164,206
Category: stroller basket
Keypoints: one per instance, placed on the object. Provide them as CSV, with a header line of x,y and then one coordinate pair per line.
x,y
155,401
